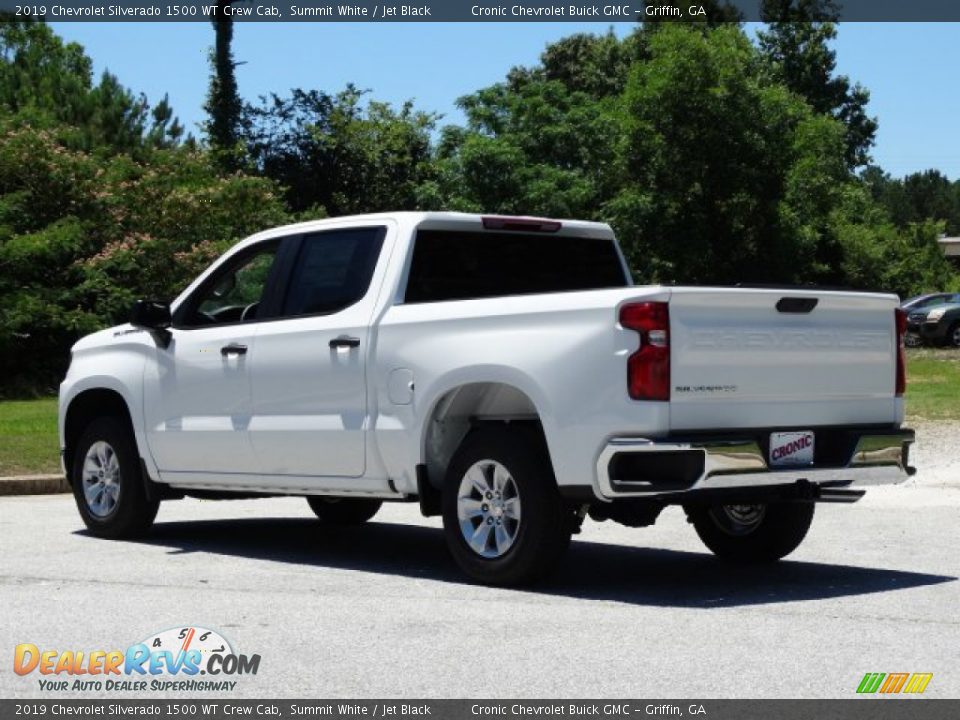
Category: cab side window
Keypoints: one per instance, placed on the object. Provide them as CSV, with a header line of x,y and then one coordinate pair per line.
x,y
332,271
234,292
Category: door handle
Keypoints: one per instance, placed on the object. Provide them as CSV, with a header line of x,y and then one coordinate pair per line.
x,y
233,349
345,341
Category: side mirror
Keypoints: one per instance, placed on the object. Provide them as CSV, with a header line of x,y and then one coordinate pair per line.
x,y
151,314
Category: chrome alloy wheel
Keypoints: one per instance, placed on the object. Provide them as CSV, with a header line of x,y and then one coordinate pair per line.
x,y
955,337
738,519
488,507
101,479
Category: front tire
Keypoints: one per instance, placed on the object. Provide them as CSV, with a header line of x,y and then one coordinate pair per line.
x,y
108,483
343,511
752,533
503,518
953,335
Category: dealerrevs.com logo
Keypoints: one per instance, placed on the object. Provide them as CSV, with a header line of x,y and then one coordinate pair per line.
x,y
177,659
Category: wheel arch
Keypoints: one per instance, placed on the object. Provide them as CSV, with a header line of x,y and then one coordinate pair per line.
x,y
461,407
83,408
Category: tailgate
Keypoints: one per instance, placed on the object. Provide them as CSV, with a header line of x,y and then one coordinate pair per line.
x,y
737,361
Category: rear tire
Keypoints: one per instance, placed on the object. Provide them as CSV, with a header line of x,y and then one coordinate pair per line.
x,y
503,518
343,511
108,482
752,533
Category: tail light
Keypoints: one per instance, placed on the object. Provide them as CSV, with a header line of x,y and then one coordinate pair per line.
x,y
648,369
900,320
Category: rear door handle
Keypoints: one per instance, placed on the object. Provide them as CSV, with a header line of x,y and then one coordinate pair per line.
x,y
345,341
233,349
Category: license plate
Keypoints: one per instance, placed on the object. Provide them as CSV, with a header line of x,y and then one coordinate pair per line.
x,y
790,449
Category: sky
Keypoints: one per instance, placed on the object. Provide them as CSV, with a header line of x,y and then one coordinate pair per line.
x,y
909,68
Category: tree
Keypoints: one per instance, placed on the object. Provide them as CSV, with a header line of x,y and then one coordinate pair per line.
x,y
223,105
336,155
597,65
547,140
796,44
728,178
927,195
879,255
45,82
83,235
709,170
538,149
165,130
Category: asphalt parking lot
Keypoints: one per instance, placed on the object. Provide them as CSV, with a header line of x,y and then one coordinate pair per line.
x,y
381,611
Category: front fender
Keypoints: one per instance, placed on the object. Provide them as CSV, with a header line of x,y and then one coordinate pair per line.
x,y
125,363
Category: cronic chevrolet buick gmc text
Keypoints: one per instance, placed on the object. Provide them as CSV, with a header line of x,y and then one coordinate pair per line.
x,y
505,373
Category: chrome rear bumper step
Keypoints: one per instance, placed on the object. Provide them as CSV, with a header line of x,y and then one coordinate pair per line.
x,y
644,467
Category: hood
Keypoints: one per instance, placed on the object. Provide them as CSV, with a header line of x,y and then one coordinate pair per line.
x,y
108,336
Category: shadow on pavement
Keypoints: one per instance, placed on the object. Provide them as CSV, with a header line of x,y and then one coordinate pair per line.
x,y
597,571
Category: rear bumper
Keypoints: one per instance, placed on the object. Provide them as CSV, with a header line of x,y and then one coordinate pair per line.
x,y
672,468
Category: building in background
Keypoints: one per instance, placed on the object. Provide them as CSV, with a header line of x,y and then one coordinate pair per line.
x,y
951,247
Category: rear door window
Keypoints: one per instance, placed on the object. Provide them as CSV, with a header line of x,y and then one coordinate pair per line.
x,y
332,271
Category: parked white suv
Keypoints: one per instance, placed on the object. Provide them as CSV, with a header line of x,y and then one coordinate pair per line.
x,y
505,373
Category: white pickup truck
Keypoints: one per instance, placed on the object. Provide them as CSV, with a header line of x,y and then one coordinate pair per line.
x,y
504,372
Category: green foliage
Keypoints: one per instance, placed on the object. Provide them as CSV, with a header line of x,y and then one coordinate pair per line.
x,y
597,65
170,218
81,238
877,254
689,139
726,176
796,45
336,155
917,197
45,82
223,105
540,142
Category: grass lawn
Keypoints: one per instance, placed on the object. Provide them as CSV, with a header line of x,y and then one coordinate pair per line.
x,y
28,428
28,437
933,384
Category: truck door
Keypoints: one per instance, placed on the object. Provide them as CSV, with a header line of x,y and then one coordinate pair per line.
x,y
197,400
308,376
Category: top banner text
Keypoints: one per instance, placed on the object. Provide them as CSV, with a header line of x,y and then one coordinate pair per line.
x,y
454,11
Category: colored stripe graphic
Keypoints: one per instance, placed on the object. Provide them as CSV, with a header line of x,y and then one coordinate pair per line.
x,y
870,682
890,684
894,682
918,682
